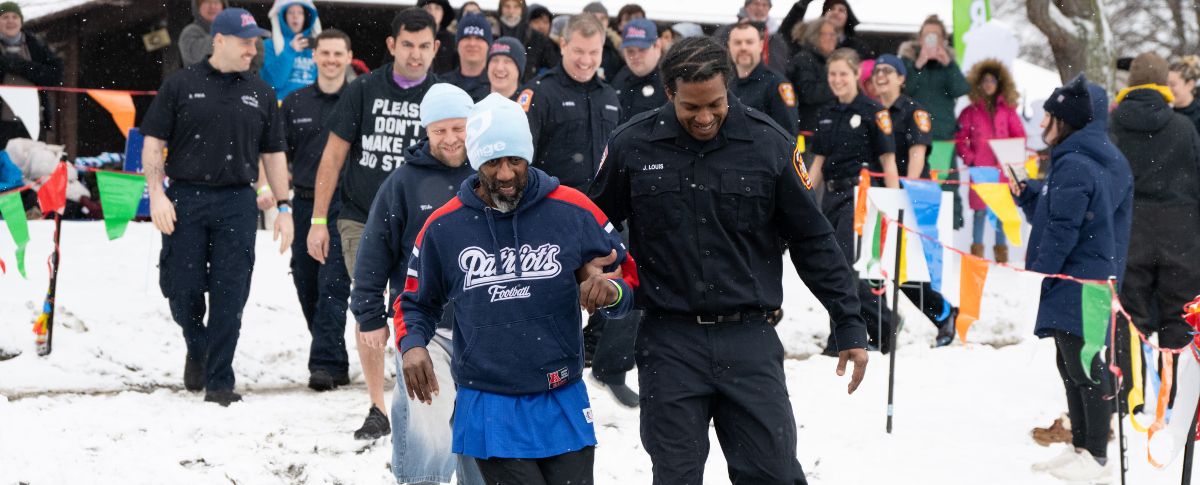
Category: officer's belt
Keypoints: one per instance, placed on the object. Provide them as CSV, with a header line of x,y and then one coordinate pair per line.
x,y
710,319
304,193
841,185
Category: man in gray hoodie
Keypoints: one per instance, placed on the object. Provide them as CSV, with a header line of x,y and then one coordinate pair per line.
x,y
195,40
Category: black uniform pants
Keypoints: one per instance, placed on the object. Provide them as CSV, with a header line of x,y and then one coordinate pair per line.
x,y
323,290
574,468
838,207
614,349
1160,275
1090,412
730,374
211,251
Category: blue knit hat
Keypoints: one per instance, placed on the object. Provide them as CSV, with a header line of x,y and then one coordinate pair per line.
x,y
1071,103
444,101
497,127
474,24
893,61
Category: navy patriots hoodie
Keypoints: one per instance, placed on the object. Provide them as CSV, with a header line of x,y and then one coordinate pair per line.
x,y
407,197
517,324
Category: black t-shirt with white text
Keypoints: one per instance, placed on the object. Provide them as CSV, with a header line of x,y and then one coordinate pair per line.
x,y
379,119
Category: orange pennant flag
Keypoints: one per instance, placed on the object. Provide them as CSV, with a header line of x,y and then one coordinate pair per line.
x,y
119,105
860,205
974,273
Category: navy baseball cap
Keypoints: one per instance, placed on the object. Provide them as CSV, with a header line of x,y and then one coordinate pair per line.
x,y
237,22
640,33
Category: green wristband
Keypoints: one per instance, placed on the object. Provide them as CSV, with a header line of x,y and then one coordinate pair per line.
x,y
620,293
264,189
318,221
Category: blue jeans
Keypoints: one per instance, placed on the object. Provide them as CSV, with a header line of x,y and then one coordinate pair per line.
x,y
421,435
981,220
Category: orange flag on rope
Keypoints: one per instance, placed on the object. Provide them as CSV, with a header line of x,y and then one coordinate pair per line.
x,y
52,197
119,105
974,273
860,204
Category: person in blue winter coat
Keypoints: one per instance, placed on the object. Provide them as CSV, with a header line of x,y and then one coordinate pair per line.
x,y
289,65
1081,217
518,254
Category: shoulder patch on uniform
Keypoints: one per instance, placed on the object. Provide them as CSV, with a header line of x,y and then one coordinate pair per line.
x,y
788,94
922,118
884,121
525,99
801,170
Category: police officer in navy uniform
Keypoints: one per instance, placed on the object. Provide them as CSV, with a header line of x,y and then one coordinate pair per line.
x,y
853,133
712,190
756,85
911,129
323,289
638,85
571,110
218,120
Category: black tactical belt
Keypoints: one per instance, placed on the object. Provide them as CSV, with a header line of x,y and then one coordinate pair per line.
x,y
711,319
841,185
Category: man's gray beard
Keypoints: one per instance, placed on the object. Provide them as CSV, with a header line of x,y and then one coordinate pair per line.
x,y
504,204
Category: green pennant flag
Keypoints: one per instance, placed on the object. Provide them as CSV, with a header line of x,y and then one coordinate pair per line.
x,y
120,194
1097,314
877,241
13,211
941,157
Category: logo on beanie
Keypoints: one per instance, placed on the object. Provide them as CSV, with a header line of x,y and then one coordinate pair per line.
x,y
477,126
248,19
474,30
635,33
501,48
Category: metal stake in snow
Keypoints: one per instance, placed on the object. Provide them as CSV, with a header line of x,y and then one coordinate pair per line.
x,y
1116,383
1189,450
45,341
894,331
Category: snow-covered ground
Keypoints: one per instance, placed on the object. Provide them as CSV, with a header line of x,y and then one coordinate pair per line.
x,y
108,406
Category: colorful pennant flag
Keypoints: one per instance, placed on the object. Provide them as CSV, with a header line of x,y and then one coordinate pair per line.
x,y
119,104
1096,301
941,158
52,196
974,274
999,200
120,194
13,211
926,198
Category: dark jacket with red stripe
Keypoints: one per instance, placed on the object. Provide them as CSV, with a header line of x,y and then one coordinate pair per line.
x,y
518,328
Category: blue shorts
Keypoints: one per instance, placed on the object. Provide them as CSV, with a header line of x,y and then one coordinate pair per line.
x,y
490,425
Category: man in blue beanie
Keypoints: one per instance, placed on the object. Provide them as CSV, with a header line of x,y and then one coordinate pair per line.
x,y
518,254
433,168
473,40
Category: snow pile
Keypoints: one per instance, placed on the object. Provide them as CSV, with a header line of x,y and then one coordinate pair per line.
x,y
108,406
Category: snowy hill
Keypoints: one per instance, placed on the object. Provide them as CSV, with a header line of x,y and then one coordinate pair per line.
x,y
108,406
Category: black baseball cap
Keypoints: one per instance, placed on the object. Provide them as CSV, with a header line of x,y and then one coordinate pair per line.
x,y
237,22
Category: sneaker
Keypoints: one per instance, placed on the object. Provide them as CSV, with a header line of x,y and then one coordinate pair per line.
x,y
1084,468
620,391
1061,459
193,373
375,426
321,380
224,398
1056,433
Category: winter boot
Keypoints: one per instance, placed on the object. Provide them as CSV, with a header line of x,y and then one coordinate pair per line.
x,y
321,380
621,392
1059,432
376,425
193,373
946,329
224,398
1001,252
1084,469
977,250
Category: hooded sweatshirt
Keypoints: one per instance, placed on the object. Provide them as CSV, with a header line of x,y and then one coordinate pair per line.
x,y
284,68
517,326
1162,147
195,41
407,197
1081,217
446,58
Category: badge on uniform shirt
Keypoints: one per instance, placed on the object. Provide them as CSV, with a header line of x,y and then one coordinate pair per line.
x,y
525,99
922,118
798,164
855,121
788,94
647,90
884,121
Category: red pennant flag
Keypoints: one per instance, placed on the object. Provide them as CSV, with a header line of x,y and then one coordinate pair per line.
x,y
53,194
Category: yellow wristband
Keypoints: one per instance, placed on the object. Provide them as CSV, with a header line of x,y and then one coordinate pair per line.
x,y
318,221
264,189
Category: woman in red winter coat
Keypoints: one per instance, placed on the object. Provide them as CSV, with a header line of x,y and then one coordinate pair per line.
x,y
991,115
